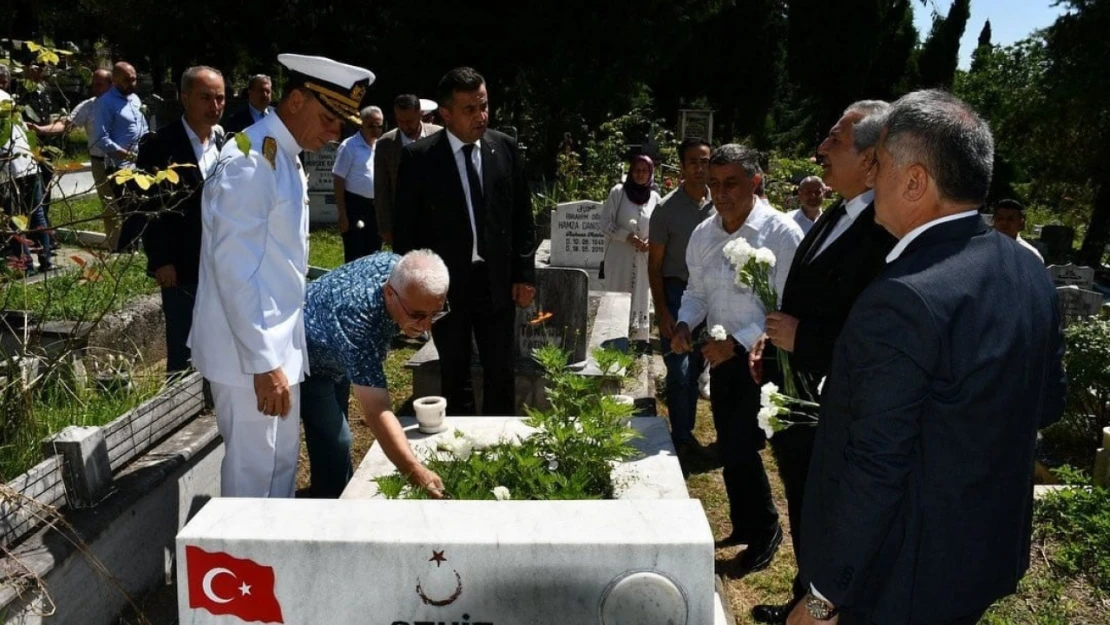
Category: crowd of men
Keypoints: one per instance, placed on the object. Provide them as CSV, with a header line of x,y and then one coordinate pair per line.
x,y
909,500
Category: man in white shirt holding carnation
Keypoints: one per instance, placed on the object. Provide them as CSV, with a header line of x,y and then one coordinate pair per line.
x,y
712,295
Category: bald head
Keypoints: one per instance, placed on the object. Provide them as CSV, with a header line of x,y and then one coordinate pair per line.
x,y
811,193
101,82
124,77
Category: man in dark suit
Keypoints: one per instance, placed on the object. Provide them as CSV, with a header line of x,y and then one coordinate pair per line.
x,y
387,157
919,502
462,193
840,256
171,238
259,96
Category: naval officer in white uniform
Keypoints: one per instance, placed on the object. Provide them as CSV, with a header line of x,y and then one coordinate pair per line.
x,y
248,335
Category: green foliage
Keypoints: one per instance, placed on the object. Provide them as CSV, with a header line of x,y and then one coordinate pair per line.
x,y
782,171
325,248
1074,524
1087,362
95,289
570,455
55,403
936,64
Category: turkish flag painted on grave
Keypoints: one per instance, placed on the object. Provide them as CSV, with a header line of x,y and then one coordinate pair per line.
x,y
223,584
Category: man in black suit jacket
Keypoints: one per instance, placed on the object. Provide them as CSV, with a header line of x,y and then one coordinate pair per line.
x,y
919,502
840,256
462,193
171,238
259,96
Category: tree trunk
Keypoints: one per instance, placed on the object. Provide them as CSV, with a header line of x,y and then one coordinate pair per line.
x,y
1098,231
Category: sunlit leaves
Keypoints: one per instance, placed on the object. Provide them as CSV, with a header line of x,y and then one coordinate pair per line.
x,y
145,181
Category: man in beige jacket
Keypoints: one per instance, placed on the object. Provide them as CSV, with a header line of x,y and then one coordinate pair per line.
x,y
387,157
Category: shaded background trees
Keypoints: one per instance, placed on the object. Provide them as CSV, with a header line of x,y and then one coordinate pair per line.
x,y
777,73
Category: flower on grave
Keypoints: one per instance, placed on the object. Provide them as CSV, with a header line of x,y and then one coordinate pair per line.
x,y
552,464
460,447
717,333
500,493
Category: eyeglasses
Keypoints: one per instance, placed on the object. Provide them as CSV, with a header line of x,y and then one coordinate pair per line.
x,y
420,316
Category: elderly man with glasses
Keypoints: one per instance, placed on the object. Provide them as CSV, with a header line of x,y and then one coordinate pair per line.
x,y
351,314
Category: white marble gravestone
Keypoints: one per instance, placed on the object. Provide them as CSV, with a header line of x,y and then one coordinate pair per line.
x,y
1072,275
321,195
636,562
576,236
1077,303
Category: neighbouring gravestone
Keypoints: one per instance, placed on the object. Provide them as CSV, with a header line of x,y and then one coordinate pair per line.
x,y
576,236
1072,275
558,314
321,195
1077,304
1058,241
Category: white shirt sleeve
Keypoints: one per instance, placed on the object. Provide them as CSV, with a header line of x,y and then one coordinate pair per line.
x,y
695,303
343,162
239,203
81,114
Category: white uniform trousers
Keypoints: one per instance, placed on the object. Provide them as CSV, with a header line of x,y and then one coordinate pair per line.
x,y
260,452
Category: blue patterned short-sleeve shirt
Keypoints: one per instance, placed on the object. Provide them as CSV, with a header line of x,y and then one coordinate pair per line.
x,y
346,323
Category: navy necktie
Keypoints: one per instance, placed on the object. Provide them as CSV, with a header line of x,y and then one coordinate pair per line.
x,y
477,197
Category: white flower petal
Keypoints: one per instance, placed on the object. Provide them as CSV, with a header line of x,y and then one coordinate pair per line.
x,y
500,493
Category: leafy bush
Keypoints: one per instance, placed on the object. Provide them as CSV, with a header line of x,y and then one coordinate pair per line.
x,y
782,171
1087,362
98,287
1074,524
569,456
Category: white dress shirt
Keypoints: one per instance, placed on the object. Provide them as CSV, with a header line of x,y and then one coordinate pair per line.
x,y
712,293
207,153
852,209
460,162
15,155
804,222
918,231
354,163
1029,246
82,117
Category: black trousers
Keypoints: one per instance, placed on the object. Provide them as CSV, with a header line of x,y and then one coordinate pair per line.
x,y
850,617
492,330
364,241
734,398
177,306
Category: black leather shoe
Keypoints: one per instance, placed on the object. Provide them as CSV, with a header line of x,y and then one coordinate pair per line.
x,y
758,555
772,614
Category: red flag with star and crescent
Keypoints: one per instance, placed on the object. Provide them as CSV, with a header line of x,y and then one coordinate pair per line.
x,y
224,584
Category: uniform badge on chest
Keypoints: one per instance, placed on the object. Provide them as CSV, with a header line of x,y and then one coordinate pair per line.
x,y
269,151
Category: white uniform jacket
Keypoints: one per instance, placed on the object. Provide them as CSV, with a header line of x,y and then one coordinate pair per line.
x,y
248,316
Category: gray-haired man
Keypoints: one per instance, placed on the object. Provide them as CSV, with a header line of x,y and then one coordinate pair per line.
x,y
351,314
353,178
919,499
839,257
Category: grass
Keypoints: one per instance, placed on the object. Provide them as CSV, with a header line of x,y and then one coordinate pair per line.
x,y
80,213
58,404
104,285
325,248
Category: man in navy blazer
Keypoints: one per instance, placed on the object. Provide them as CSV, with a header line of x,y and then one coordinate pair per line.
x,y
919,500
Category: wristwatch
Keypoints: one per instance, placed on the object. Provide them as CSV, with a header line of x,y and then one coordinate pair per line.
x,y
818,608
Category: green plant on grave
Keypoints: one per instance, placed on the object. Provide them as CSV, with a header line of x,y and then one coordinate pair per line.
x,y
1074,523
570,454
1087,363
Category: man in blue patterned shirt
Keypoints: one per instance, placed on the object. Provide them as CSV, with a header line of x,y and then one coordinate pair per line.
x,y
350,316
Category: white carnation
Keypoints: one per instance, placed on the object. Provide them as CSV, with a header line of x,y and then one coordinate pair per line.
x,y
767,393
459,447
717,333
738,251
766,414
500,493
360,225
552,465
765,256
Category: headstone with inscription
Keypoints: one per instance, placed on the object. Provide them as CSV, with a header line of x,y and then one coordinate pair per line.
x,y
1077,304
558,314
576,236
321,195
1072,275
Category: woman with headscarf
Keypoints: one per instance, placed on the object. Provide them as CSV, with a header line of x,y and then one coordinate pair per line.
x,y
624,219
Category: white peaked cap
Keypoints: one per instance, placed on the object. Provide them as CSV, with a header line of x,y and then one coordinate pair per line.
x,y
427,106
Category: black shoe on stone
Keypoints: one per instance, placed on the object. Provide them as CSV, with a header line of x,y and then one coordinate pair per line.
x,y
772,614
759,554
